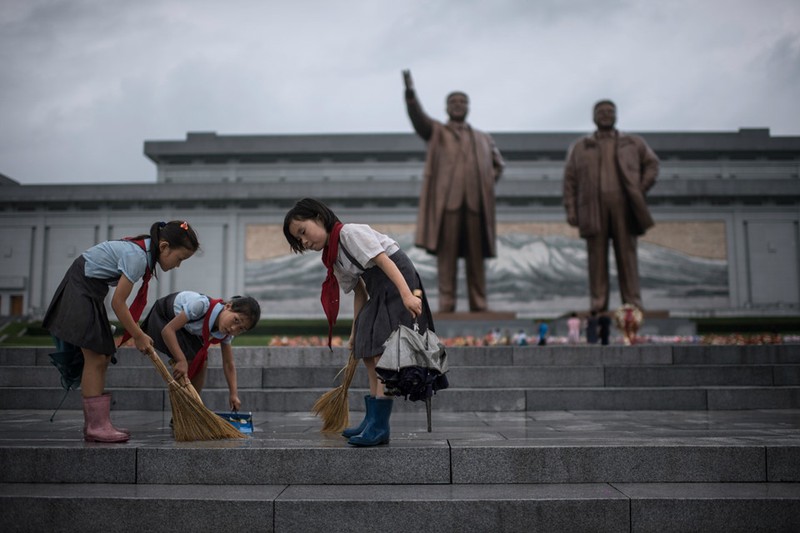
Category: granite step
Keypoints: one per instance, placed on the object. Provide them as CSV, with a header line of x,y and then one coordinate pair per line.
x,y
708,507
454,399
464,376
405,462
480,471
581,355
451,400
412,458
533,378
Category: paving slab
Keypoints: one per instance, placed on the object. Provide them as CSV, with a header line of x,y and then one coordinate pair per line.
x,y
566,461
729,507
294,461
135,508
452,508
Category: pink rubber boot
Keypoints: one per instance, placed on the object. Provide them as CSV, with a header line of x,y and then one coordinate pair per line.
x,y
121,430
97,415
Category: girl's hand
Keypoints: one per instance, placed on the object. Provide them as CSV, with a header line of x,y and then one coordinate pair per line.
x,y
180,371
235,402
143,343
413,304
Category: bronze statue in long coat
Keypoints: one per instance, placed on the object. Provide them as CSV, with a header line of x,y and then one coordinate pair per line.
x,y
606,177
456,216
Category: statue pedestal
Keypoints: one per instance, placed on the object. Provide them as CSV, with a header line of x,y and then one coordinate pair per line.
x,y
477,316
463,324
479,324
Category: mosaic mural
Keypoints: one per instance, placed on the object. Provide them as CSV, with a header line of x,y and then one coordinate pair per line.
x,y
540,269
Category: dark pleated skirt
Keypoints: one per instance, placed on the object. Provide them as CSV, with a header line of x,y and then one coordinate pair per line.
x,y
384,312
159,316
77,313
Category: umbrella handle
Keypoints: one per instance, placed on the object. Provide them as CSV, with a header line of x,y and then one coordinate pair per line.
x,y
418,294
428,411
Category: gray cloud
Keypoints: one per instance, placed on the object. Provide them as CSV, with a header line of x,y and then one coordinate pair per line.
x,y
85,83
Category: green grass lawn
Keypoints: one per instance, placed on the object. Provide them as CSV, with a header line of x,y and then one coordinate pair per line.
x,y
32,333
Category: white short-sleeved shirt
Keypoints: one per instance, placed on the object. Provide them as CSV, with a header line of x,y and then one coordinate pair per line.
x,y
364,244
195,305
109,259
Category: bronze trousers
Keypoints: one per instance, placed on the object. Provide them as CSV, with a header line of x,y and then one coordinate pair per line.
x,y
613,227
461,230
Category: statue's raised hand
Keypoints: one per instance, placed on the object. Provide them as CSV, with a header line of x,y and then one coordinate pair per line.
x,y
408,81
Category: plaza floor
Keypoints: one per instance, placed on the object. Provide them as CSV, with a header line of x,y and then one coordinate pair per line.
x,y
772,426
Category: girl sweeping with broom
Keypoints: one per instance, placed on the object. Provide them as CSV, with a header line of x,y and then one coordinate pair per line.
x,y
381,277
77,316
184,325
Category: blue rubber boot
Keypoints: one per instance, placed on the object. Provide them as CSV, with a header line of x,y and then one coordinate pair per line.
x,y
377,430
353,431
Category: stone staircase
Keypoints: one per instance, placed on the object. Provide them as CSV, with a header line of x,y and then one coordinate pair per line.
x,y
530,378
562,438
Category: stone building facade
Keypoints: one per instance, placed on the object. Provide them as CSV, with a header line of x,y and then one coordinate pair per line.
x,y
726,205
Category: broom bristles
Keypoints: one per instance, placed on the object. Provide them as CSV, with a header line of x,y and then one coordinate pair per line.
x,y
191,420
194,421
332,407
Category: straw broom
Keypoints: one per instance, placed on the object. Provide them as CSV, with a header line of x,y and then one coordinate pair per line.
x,y
332,407
191,419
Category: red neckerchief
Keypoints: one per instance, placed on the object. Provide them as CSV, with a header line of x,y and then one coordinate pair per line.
x,y
201,356
330,287
140,301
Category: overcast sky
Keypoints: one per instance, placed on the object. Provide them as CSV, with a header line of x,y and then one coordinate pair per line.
x,y
83,83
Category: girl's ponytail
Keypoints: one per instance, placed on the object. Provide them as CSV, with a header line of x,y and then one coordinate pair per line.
x,y
176,233
155,249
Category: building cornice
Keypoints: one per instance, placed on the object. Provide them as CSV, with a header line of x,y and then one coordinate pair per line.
x,y
209,146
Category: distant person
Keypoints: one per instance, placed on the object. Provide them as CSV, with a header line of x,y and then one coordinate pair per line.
x,y
591,328
606,177
521,338
573,329
77,317
542,329
456,216
628,319
185,324
604,323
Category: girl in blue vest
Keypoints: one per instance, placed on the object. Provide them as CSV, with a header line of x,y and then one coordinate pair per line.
x,y
381,277
77,317
184,325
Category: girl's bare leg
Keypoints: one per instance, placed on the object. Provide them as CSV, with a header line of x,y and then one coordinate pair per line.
x,y
375,385
93,379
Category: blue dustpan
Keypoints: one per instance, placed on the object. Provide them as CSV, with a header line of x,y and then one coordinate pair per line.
x,y
243,421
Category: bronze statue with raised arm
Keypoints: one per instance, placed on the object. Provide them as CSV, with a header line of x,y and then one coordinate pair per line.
x,y
456,216
606,177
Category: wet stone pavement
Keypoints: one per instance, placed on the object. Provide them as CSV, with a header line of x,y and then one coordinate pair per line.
x,y
769,426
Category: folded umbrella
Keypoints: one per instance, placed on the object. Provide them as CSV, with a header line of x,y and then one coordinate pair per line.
x,y
70,365
413,365
69,362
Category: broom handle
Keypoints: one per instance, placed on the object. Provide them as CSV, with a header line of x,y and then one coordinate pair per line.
x,y
186,383
159,364
165,373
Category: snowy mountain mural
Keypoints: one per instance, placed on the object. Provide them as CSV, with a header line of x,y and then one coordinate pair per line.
x,y
532,276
